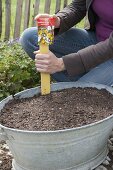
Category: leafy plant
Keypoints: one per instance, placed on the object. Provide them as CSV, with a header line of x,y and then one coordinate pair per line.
x,y
17,70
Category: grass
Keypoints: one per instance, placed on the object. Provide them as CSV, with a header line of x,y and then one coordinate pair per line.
x,y
13,13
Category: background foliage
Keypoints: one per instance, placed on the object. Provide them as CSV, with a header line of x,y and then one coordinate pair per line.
x,y
17,70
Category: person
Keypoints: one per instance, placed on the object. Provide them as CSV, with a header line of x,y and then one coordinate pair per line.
x,y
77,54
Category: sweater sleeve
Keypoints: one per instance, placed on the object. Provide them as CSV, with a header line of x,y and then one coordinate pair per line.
x,y
71,15
89,57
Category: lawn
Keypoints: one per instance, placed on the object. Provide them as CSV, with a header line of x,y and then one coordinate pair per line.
x,y
41,10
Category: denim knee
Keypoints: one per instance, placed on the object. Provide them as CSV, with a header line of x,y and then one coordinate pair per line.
x,y
27,35
29,41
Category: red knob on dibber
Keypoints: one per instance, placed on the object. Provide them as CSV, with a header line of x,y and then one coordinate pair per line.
x,y
46,21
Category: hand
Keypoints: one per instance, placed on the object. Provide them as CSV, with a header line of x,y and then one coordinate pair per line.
x,y
57,19
48,63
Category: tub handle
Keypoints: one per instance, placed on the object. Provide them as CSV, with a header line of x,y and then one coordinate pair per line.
x,y
3,135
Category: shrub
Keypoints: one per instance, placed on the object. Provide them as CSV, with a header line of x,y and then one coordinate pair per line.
x,y
17,70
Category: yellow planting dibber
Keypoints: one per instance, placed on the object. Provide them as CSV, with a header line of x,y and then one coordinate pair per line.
x,y
45,38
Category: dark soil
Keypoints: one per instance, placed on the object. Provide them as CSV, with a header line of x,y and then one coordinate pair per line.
x,y
59,110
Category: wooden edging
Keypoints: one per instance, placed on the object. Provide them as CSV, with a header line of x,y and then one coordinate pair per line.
x,y
0,17
23,13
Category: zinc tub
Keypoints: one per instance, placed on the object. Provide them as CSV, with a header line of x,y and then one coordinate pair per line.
x,y
80,148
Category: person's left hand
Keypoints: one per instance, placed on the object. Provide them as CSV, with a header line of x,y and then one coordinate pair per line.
x,y
48,63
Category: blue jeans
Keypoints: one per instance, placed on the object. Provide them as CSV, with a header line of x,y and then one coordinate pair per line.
x,y
70,42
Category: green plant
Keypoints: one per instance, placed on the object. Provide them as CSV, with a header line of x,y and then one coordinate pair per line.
x,y
17,70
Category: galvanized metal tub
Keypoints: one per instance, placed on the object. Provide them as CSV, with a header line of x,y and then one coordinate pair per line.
x,y
81,148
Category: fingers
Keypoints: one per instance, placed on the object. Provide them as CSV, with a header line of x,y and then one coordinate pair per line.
x,y
43,16
42,67
42,70
37,52
42,62
41,56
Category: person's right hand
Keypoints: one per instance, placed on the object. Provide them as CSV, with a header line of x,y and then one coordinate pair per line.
x,y
57,19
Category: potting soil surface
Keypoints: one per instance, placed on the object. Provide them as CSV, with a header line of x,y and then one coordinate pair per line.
x,y
63,109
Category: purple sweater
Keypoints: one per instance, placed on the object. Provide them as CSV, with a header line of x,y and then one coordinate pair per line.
x,y
87,58
104,23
